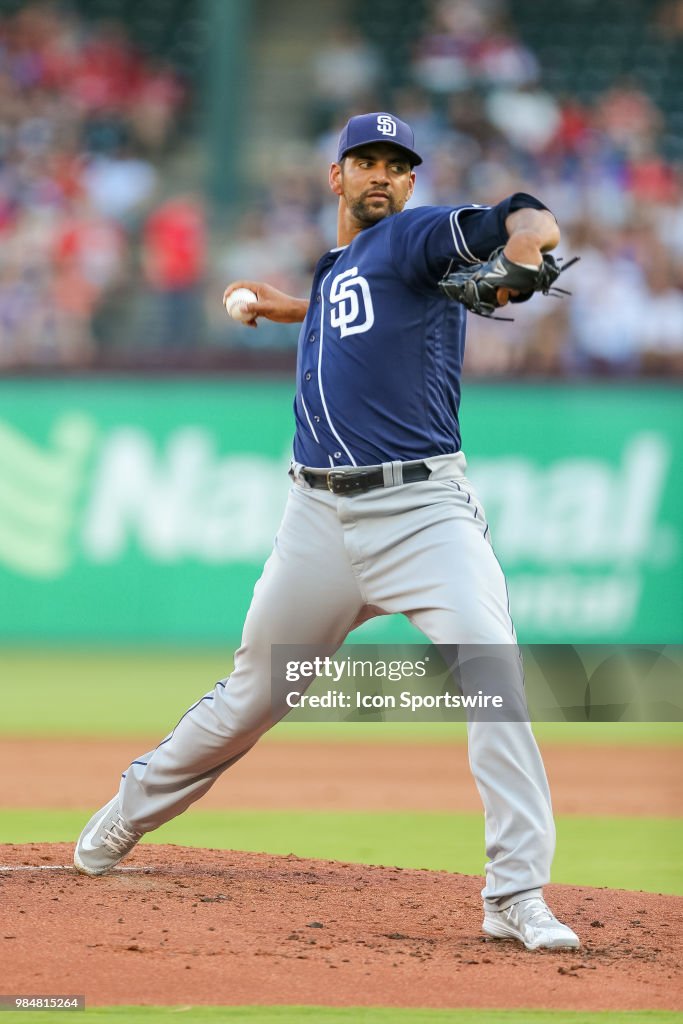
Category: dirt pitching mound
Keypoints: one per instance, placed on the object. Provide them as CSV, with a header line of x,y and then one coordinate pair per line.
x,y
186,926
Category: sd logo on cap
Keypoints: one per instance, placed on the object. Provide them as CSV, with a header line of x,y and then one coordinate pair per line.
x,y
377,127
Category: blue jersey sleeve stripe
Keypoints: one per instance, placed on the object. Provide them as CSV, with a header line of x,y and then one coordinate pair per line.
x,y
458,250
455,226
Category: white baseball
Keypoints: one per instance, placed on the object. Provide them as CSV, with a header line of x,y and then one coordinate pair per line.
x,y
236,303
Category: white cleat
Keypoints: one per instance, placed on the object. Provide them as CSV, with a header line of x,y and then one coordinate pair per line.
x,y
104,841
531,922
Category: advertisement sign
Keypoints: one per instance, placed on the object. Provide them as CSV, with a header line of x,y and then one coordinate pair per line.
x,y
142,511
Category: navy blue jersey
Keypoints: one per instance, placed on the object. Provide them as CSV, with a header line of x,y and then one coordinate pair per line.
x,y
381,349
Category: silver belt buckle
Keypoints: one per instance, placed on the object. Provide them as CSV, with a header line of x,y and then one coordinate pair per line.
x,y
330,481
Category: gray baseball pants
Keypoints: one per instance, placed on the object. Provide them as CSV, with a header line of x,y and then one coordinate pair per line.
x,y
421,549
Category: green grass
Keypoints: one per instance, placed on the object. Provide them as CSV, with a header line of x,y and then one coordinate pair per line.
x,y
662,734
615,852
123,693
347,1015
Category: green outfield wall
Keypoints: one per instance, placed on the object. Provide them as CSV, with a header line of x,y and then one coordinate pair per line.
x,y
141,511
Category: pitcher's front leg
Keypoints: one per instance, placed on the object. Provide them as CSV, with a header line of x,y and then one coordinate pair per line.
x,y
461,599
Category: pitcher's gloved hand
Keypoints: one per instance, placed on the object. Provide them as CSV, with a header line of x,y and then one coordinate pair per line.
x,y
478,287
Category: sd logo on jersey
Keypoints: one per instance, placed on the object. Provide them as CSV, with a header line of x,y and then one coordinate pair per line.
x,y
351,302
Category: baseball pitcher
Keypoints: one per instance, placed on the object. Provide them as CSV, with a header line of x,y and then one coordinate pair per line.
x,y
381,517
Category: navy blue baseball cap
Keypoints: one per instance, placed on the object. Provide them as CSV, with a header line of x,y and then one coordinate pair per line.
x,y
377,127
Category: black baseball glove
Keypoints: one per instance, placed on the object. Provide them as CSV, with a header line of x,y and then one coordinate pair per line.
x,y
477,286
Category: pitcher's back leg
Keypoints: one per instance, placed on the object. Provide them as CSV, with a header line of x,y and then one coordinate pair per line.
x,y
306,595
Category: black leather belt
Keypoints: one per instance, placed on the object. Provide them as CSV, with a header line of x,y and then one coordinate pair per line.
x,y
365,478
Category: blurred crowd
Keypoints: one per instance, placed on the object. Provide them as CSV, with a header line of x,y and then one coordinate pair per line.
x,y
85,124
94,249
